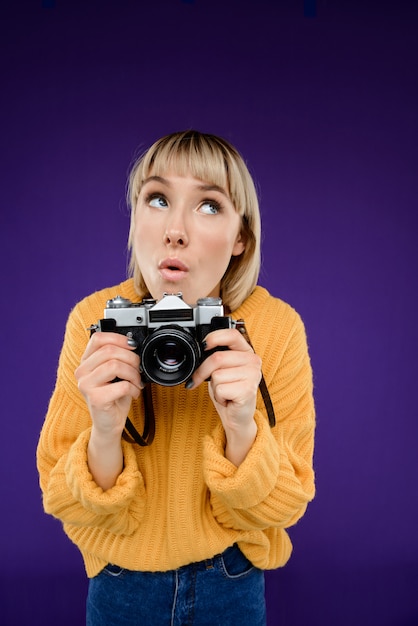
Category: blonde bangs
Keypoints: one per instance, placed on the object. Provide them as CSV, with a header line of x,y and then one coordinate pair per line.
x,y
197,159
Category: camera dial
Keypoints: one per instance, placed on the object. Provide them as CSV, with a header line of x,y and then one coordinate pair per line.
x,y
118,303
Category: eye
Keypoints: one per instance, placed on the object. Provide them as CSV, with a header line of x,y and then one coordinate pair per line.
x,y
157,201
210,207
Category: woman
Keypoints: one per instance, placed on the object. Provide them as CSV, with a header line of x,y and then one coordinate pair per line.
x,y
180,531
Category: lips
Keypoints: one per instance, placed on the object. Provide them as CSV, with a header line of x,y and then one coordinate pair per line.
x,y
173,264
172,269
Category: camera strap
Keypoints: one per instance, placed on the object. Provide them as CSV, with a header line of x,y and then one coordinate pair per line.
x,y
132,435
240,326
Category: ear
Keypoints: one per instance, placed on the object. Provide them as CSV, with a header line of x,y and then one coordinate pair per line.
x,y
239,245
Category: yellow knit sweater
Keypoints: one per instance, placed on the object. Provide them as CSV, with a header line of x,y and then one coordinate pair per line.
x,y
180,500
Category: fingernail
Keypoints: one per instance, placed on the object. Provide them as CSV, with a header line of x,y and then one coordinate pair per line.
x,y
189,384
131,341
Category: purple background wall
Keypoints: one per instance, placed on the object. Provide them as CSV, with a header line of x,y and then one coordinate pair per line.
x,y
324,108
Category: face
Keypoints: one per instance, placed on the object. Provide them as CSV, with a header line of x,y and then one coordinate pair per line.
x,y
186,232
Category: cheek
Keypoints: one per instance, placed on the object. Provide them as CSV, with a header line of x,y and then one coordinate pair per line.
x,y
143,231
229,242
139,234
142,246
219,255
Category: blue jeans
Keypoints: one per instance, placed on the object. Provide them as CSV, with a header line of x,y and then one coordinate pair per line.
x,y
226,590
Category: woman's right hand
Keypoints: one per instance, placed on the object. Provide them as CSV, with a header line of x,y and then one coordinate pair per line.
x,y
109,356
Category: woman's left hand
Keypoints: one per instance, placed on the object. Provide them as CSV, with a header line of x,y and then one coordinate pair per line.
x,y
234,378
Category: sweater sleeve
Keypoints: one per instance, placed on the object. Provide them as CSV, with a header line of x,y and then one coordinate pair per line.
x,y
69,490
274,484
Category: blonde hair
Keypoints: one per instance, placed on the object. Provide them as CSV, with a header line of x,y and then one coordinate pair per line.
x,y
215,161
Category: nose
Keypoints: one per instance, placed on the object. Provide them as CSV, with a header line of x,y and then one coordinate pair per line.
x,y
175,238
175,234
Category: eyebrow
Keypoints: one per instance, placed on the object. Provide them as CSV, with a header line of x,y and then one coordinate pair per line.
x,y
203,187
158,179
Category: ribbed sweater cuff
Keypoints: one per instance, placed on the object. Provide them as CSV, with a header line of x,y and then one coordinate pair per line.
x,y
250,483
84,489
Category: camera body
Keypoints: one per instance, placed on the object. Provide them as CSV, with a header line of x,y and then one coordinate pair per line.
x,y
168,334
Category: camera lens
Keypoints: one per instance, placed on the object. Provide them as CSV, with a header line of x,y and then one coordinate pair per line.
x,y
169,356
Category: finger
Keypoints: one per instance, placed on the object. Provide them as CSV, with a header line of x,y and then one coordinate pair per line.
x,y
231,391
229,365
229,337
247,376
235,399
108,371
102,398
100,339
104,354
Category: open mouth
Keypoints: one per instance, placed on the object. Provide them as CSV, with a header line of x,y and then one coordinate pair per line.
x,y
172,269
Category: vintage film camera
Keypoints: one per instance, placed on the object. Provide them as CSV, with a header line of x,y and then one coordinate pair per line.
x,y
168,334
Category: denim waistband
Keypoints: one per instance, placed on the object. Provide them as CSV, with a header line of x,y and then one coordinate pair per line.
x,y
210,563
